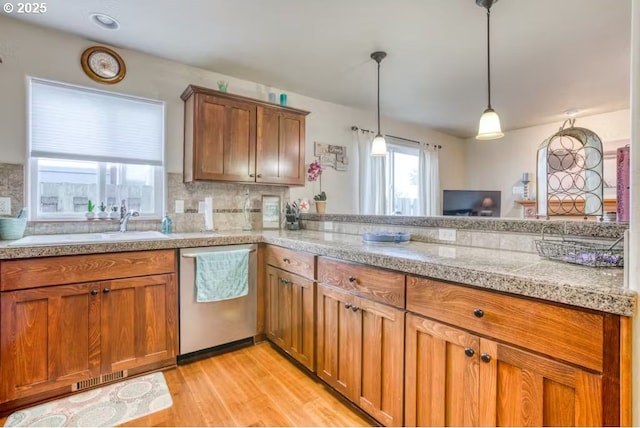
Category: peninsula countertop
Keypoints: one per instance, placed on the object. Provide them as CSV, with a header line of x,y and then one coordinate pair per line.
x,y
525,274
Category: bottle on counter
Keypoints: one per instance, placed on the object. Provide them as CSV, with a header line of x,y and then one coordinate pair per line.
x,y
166,226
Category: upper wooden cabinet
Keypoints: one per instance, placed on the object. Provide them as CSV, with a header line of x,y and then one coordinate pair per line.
x,y
233,138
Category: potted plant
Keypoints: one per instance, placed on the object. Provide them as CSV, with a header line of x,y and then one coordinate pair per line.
x,y
90,207
102,213
321,202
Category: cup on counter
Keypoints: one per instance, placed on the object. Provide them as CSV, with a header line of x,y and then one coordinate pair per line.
x,y
283,99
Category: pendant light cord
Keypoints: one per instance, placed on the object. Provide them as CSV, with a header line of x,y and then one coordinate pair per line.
x,y
488,58
378,97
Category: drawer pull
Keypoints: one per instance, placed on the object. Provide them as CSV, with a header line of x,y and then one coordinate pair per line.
x,y
485,357
479,313
94,292
286,260
354,308
469,352
106,290
347,305
352,278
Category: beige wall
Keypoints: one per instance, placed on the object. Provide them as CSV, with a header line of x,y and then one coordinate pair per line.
x,y
499,164
34,51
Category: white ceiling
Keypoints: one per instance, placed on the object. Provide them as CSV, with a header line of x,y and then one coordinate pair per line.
x,y
547,56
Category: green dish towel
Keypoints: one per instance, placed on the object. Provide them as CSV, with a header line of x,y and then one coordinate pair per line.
x,y
222,275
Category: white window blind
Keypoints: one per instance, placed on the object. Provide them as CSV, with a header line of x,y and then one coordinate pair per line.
x,y
70,122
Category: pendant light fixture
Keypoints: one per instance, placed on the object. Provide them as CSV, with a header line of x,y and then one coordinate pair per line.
x,y
489,127
379,145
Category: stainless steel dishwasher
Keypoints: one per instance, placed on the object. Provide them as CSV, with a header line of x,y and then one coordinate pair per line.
x,y
204,326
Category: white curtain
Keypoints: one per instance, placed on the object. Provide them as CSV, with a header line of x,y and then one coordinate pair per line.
x,y
428,180
372,177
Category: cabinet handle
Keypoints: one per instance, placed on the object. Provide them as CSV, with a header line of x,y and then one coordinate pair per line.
x,y
347,305
479,313
258,175
469,352
354,308
286,260
106,290
252,175
485,357
94,292
352,278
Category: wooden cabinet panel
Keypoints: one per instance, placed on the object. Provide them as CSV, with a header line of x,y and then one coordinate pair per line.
x,y
228,137
381,379
442,375
139,321
280,147
50,339
338,341
572,335
378,284
297,262
532,390
290,314
31,273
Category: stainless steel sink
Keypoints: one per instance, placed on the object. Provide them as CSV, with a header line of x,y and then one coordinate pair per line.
x,y
89,238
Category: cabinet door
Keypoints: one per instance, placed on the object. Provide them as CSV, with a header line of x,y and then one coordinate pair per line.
x,y
278,309
139,321
525,389
224,140
280,147
338,341
442,381
382,351
50,339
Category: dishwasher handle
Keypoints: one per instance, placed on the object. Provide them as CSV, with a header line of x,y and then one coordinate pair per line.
x,y
193,256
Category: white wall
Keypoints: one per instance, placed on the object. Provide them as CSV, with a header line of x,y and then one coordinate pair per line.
x,y
499,164
35,51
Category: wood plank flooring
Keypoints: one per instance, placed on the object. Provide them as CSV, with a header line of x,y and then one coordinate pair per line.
x,y
254,386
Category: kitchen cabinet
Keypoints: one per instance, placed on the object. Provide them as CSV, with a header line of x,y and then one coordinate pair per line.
x,y
290,303
475,357
238,139
60,337
360,339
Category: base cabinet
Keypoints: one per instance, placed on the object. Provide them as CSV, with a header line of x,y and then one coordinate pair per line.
x,y
290,314
360,352
56,339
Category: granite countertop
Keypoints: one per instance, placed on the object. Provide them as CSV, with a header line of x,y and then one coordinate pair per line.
x,y
518,273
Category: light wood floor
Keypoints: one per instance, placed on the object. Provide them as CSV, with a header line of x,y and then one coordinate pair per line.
x,y
253,386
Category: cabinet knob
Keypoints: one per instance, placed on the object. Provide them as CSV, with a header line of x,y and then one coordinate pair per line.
x,y
347,305
106,290
485,357
94,292
258,175
352,278
252,175
286,260
469,352
354,308
479,313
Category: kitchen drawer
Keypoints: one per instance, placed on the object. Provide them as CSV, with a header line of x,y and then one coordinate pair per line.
x,y
380,285
572,335
40,272
293,261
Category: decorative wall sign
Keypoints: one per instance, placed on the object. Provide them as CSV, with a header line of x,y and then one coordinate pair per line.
x,y
332,156
270,212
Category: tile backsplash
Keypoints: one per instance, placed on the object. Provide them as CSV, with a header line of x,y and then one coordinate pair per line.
x,y
228,202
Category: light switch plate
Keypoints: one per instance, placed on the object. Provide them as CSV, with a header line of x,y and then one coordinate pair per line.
x,y
447,235
179,207
5,206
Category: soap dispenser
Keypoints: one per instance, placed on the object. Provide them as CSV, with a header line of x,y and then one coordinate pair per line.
x,y
166,226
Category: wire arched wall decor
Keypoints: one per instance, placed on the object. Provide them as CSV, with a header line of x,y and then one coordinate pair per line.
x,y
569,178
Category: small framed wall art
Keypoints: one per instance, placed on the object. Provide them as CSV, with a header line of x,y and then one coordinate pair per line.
x,y
271,212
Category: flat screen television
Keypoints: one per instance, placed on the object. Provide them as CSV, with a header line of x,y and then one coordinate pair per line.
x,y
482,203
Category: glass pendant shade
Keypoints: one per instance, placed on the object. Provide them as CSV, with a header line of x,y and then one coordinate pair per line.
x,y
379,146
489,127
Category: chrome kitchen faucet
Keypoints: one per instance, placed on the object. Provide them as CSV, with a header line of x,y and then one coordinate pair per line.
x,y
125,215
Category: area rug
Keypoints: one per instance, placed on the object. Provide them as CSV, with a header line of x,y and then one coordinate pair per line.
x,y
107,406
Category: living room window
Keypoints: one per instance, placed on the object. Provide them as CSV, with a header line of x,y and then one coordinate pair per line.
x,y
86,144
402,173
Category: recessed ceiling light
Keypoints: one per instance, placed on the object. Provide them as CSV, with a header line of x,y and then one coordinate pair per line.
x,y
104,21
572,112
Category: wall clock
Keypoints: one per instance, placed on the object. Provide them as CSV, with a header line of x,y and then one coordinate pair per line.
x,y
103,65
